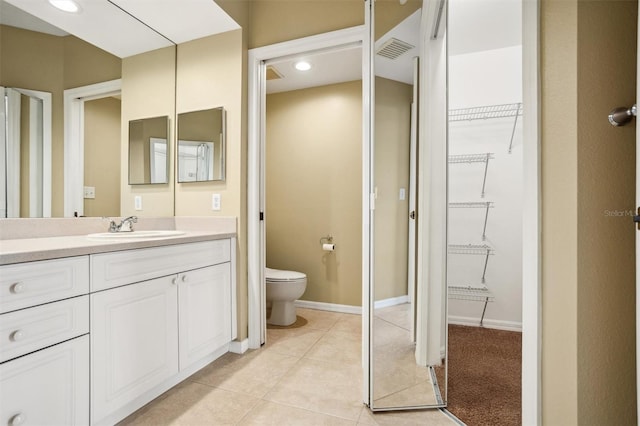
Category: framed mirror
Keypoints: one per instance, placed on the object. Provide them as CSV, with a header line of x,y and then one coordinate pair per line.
x,y
149,151
201,145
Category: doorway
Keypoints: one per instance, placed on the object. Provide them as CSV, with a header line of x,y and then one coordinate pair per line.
x,y
74,140
256,207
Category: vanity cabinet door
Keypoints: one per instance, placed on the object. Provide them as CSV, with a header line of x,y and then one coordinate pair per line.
x,y
205,312
48,387
134,336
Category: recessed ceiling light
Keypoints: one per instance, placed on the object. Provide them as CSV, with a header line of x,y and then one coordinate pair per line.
x,y
66,5
303,66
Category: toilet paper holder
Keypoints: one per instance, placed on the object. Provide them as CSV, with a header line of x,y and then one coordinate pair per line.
x,y
327,243
326,240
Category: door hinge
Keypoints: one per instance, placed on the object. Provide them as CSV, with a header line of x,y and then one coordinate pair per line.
x,y
636,218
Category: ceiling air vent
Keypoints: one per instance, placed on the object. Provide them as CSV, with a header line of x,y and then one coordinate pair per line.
x,y
273,73
393,48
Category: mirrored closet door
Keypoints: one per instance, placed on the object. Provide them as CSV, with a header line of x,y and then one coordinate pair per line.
x,y
407,319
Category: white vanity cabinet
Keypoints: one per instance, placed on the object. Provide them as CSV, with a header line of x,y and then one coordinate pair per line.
x,y
204,297
44,349
168,313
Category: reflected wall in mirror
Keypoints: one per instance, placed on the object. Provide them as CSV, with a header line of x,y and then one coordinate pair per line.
x,y
149,151
407,316
201,145
25,146
52,62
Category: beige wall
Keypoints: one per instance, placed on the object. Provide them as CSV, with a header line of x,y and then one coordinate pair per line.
x,y
102,156
207,81
37,61
588,328
392,139
148,90
314,188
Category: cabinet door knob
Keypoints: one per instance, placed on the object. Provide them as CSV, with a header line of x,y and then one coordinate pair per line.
x,y
174,281
18,419
184,279
17,335
18,288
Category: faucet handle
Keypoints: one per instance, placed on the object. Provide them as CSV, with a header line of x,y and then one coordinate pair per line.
x,y
127,224
113,227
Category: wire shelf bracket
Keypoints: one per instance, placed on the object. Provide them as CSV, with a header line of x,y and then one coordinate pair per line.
x,y
476,205
473,249
471,293
474,158
488,112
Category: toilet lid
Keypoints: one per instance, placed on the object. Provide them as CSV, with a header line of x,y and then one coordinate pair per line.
x,y
280,275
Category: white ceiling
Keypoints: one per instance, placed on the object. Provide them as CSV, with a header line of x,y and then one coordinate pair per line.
x,y
129,27
330,67
475,25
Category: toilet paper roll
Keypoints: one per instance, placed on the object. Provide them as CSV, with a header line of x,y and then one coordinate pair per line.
x,y
328,247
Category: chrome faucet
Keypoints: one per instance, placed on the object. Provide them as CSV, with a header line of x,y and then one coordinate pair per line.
x,y
126,225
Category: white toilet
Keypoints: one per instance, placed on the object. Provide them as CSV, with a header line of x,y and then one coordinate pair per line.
x,y
284,288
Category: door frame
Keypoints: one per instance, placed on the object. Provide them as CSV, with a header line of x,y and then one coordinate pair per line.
x,y
256,241
74,100
531,218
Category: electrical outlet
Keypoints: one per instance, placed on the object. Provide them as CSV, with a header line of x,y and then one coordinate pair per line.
x,y
89,192
215,202
137,202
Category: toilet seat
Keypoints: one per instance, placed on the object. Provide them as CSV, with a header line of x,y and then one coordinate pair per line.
x,y
277,275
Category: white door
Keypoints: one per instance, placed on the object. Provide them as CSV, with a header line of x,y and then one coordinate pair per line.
x,y
204,296
638,231
413,190
134,340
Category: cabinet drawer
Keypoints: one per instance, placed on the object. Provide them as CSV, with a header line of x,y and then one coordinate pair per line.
x,y
110,270
35,328
33,283
48,387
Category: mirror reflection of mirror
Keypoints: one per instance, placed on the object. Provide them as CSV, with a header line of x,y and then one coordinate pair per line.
x,y
407,316
25,144
149,151
201,145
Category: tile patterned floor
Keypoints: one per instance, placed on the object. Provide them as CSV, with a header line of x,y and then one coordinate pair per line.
x,y
399,381
307,375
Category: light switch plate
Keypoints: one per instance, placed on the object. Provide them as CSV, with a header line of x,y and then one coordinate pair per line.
x,y
403,194
137,202
215,202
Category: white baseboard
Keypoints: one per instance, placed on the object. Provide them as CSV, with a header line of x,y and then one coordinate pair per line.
x,y
239,347
393,301
332,307
487,323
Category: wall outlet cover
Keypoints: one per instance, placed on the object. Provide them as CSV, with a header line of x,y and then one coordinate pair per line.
x,y
215,202
137,202
89,192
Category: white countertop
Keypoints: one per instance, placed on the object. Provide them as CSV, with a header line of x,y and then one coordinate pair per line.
x,y
47,246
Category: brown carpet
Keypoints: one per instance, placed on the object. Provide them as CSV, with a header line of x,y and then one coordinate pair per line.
x,y
484,386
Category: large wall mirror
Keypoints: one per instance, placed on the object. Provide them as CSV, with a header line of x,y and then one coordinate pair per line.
x,y
37,56
201,145
408,356
149,151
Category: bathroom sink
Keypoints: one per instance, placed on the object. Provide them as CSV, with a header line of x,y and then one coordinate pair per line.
x,y
135,234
